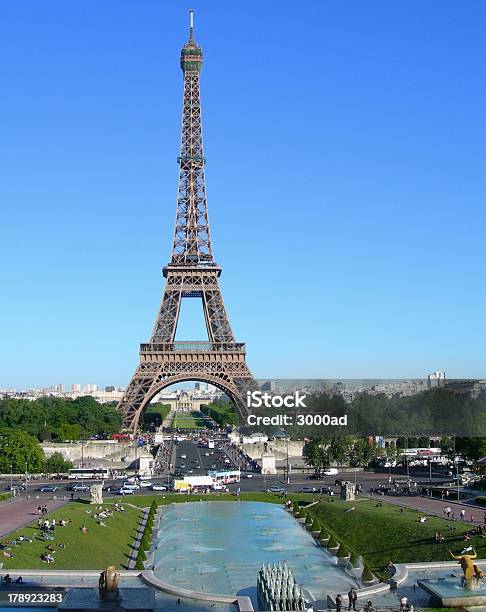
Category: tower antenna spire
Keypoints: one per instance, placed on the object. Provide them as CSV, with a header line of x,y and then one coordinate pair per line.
x,y
191,25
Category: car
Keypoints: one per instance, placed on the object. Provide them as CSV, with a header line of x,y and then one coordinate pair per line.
x,y
331,471
158,487
79,488
308,490
248,475
48,489
206,454
125,491
277,489
129,485
183,456
144,484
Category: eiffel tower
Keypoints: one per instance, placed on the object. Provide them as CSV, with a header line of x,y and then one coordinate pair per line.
x,y
191,273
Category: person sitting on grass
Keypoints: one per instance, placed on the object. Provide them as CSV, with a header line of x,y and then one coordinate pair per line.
x,y
84,529
8,554
47,558
439,538
467,537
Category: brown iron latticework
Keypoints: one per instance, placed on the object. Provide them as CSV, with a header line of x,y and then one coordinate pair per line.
x,y
192,272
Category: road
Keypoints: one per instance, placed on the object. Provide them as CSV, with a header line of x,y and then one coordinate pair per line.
x,y
188,457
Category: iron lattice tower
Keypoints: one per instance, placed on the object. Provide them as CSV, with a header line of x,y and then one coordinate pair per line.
x,y
191,273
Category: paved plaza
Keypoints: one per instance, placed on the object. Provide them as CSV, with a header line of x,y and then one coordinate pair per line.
x,y
17,513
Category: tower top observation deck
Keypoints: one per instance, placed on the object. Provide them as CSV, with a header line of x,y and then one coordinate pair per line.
x,y
191,53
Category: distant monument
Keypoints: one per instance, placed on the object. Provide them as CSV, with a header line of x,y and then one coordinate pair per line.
x,y
348,491
268,461
96,492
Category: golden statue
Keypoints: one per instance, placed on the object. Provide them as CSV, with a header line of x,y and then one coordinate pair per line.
x,y
473,576
108,582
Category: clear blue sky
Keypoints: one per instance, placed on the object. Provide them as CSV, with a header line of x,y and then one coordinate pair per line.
x,y
346,171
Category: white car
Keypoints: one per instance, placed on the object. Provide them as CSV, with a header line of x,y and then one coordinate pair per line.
x,y
130,485
331,472
126,491
145,484
206,454
158,487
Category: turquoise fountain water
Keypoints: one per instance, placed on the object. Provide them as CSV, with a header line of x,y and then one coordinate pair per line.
x,y
219,547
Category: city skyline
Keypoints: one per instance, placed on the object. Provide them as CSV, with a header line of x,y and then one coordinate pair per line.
x,y
361,234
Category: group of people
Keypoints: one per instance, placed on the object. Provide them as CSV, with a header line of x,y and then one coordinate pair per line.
x,y
6,547
42,510
352,601
7,579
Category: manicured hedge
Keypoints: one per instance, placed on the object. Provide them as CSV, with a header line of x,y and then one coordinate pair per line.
x,y
146,538
342,552
367,575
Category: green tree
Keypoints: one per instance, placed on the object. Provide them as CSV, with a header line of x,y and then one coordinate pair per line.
x,y
69,432
339,449
362,452
424,442
471,448
316,455
20,451
57,463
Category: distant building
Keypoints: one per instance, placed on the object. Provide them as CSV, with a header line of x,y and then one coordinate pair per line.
x,y
90,388
436,379
270,386
466,388
76,388
110,389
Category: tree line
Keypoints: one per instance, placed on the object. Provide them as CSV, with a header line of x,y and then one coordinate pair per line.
x,y
320,452
434,412
21,453
59,419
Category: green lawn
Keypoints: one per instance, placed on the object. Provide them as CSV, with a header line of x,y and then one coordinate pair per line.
x,y
188,420
383,533
101,546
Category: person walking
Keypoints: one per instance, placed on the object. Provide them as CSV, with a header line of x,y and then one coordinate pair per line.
x,y
352,598
463,514
339,602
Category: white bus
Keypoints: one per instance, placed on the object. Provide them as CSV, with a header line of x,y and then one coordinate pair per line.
x,y
86,473
224,477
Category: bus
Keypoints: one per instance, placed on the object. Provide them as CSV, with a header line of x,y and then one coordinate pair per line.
x,y
224,477
86,473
